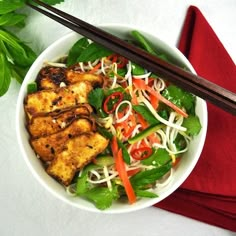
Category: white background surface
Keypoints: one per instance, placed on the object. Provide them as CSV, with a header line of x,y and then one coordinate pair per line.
x,y
28,209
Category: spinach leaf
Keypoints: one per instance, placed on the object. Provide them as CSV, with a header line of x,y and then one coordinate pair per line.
x,y
76,50
147,177
93,52
180,98
193,125
158,158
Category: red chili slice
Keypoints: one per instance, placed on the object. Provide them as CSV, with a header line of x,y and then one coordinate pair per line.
x,y
117,97
141,153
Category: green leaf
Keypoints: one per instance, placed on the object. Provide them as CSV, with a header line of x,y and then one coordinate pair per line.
x,y
158,158
180,98
95,98
6,7
125,152
145,193
146,114
92,52
193,125
11,19
147,177
24,57
5,74
102,197
144,43
76,50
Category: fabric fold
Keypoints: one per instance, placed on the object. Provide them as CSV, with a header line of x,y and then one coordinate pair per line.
x,y
209,193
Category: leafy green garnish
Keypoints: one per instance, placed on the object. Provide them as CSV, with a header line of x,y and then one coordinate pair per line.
x,y
180,98
76,50
125,152
102,197
147,177
146,113
15,56
193,125
96,97
5,74
158,158
93,52
145,193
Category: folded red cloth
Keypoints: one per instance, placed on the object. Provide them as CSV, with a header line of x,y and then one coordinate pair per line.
x,y
209,193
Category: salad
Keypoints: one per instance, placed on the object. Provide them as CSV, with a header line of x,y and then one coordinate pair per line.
x,y
147,123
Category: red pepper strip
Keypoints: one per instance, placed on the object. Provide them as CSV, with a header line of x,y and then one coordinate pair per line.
x,y
115,95
140,84
133,172
121,62
141,153
120,166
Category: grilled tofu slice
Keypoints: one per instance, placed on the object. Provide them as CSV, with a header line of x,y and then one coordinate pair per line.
x,y
78,152
47,147
50,77
53,122
75,76
57,99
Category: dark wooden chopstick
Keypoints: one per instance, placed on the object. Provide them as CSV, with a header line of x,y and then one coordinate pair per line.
x,y
197,85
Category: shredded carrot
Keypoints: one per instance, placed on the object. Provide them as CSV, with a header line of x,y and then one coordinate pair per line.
x,y
95,68
140,84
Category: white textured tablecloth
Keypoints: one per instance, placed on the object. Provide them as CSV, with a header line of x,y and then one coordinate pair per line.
x,y
26,208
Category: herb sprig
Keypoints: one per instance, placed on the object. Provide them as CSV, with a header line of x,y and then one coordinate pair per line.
x,y
15,56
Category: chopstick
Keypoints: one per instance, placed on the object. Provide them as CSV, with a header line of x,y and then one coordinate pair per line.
x,y
197,85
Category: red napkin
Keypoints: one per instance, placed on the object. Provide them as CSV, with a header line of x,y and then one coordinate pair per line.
x,y
209,193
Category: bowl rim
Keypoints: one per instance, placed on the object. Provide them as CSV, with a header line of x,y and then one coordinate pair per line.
x,y
131,208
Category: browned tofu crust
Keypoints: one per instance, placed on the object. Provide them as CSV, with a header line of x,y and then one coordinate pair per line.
x,y
51,77
57,99
47,147
78,152
75,76
53,122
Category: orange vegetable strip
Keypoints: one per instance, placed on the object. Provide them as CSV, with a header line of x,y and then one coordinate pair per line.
x,y
120,166
140,84
95,68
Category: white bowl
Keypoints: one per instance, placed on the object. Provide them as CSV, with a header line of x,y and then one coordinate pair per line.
x,y
60,48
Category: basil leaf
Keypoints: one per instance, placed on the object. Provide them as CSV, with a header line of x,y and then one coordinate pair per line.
x,y
180,98
147,177
93,52
158,158
145,193
193,125
6,7
23,57
76,50
5,74
11,19
146,114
